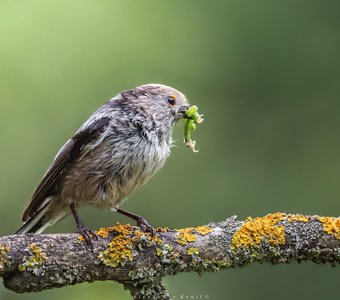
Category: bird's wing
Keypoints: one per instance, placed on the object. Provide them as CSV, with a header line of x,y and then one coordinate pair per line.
x,y
87,135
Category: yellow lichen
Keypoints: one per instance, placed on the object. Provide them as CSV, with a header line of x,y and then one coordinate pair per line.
x,y
186,235
162,229
3,256
157,240
38,255
298,218
126,241
122,229
159,252
117,252
192,251
35,260
104,232
331,226
203,230
254,231
81,238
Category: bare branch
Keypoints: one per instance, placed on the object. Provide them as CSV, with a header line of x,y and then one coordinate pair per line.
x,y
30,263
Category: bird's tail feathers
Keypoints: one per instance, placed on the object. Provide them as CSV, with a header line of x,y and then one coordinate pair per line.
x,y
38,222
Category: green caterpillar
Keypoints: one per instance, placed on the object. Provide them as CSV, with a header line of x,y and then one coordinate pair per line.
x,y
190,125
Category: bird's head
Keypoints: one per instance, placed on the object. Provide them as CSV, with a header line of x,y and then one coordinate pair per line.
x,y
164,104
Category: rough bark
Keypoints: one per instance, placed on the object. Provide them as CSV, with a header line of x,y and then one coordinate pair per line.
x,y
31,263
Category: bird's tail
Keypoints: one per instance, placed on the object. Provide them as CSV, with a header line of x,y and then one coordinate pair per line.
x,y
37,223
46,216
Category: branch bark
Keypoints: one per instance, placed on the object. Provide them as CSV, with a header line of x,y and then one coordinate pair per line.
x,y
31,263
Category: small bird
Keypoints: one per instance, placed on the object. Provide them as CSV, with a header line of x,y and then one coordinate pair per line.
x,y
120,146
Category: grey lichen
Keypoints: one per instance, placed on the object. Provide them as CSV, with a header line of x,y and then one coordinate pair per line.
x,y
167,254
153,290
143,274
67,276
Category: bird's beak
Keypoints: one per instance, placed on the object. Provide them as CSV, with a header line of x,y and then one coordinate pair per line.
x,y
181,113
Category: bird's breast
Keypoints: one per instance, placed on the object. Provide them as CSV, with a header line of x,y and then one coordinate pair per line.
x,y
108,174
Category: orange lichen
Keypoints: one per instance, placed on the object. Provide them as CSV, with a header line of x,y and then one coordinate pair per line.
x,y
186,235
298,218
331,226
203,230
262,229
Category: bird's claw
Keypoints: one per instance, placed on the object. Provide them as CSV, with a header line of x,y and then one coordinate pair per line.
x,y
87,234
145,226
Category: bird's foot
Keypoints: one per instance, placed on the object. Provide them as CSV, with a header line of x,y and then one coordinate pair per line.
x,y
145,226
86,233
141,222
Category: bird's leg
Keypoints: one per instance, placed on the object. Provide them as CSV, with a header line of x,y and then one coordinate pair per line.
x,y
141,222
81,228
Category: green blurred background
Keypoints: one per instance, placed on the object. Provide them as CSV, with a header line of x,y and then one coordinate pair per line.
x,y
265,73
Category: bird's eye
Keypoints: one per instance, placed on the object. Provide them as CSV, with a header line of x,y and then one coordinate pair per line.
x,y
171,100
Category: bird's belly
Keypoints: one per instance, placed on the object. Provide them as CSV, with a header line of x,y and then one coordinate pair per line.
x,y
106,180
121,184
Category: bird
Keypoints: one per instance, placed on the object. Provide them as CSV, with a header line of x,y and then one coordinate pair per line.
x,y
120,146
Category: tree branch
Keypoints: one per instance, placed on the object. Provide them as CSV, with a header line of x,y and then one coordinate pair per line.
x,y
30,263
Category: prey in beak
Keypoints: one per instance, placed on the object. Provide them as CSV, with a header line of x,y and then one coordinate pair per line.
x,y
192,118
